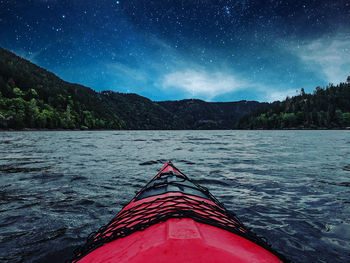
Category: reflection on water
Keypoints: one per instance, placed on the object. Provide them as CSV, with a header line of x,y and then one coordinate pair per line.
x,y
293,187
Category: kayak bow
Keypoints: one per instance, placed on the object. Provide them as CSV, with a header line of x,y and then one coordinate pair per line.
x,y
173,219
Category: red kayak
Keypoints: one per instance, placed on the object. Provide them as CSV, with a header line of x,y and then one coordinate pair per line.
x,y
172,219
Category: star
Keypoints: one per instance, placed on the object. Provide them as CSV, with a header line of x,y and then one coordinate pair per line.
x,y
227,10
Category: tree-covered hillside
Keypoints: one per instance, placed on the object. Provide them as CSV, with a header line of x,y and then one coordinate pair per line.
x,y
141,113
32,97
326,108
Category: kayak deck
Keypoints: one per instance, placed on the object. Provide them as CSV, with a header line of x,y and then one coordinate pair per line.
x,y
171,219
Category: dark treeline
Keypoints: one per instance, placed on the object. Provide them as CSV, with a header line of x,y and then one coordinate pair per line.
x,y
326,108
31,97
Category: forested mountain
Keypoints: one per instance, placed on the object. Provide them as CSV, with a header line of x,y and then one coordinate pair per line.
x,y
326,108
31,97
198,114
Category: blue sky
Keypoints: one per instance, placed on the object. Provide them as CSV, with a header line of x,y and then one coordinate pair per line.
x,y
170,50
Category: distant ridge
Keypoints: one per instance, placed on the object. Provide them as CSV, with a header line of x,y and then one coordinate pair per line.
x,y
198,114
34,98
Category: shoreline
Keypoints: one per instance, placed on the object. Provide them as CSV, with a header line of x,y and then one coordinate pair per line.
x,y
285,129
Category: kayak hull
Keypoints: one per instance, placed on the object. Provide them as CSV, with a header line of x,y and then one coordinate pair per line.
x,y
172,219
177,240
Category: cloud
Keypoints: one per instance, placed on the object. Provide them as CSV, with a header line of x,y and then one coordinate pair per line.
x,y
329,57
127,72
203,84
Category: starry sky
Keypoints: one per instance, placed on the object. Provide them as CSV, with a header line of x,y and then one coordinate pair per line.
x,y
215,50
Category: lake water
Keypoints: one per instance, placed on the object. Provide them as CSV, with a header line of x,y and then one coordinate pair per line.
x,y
292,187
